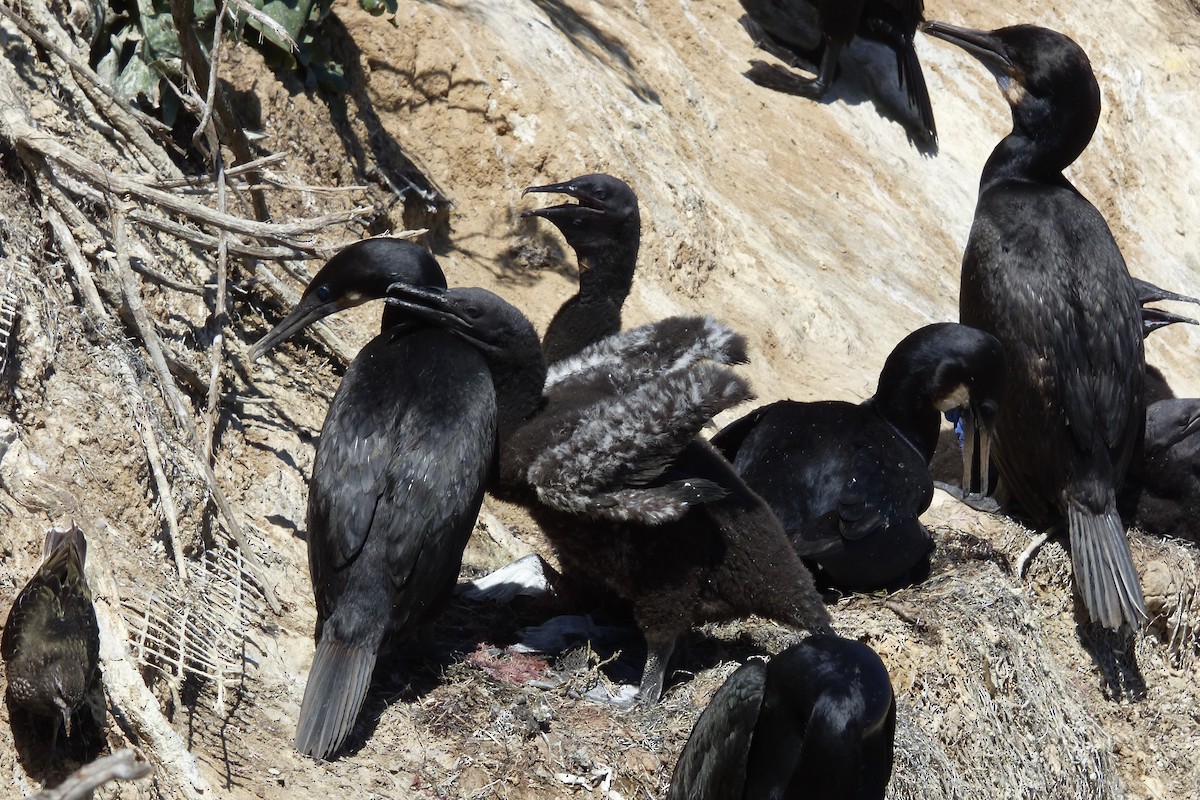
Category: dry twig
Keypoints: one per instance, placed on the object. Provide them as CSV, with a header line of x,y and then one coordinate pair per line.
x,y
119,766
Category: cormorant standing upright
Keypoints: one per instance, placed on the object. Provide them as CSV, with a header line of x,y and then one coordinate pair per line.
x,y
803,32
816,721
610,466
51,642
398,479
604,229
849,481
1042,273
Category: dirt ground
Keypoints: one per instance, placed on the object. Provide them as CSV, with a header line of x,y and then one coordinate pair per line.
x,y
817,229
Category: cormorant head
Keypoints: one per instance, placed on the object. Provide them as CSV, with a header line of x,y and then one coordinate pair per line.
x,y
499,330
360,272
946,365
1046,78
606,213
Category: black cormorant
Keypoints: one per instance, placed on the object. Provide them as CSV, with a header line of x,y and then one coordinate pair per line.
x,y
1042,273
814,32
817,721
609,464
51,642
849,481
398,479
604,229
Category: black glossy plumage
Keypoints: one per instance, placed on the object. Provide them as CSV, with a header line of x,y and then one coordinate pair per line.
x,y
849,481
398,479
51,642
1042,273
628,495
817,721
604,229
1164,494
814,33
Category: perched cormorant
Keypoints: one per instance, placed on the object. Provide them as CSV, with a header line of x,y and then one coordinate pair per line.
x,y
817,721
811,32
609,464
849,481
1042,273
605,229
51,642
398,479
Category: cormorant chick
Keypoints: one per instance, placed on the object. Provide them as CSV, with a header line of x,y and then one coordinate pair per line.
x,y
398,479
848,481
604,229
610,466
808,32
1042,273
51,642
816,721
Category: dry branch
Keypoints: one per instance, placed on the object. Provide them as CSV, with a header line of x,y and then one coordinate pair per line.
x,y
119,766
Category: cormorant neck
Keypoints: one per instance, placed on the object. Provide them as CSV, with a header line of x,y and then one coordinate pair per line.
x,y
912,415
1048,135
518,383
606,270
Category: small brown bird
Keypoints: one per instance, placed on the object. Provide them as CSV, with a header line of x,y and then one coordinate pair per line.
x,y
51,642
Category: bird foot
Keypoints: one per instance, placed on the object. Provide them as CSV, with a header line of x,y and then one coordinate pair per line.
x,y
979,502
773,76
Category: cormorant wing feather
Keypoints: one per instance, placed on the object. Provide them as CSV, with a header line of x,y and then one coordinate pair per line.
x,y
595,453
713,763
626,360
888,485
392,451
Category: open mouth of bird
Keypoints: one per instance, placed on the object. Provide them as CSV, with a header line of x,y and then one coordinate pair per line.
x,y
585,205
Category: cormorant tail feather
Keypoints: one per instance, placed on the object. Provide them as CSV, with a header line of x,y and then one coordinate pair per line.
x,y
337,686
1104,570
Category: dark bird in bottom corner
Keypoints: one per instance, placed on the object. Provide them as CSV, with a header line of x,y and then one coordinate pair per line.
x,y
849,481
813,33
1042,273
610,466
604,229
51,642
398,480
816,721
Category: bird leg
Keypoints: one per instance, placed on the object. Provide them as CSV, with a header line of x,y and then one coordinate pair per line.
x,y
654,674
782,80
769,44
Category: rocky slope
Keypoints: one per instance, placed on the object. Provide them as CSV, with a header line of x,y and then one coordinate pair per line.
x,y
817,229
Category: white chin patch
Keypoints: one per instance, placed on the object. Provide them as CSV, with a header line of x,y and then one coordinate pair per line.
x,y
1013,91
958,397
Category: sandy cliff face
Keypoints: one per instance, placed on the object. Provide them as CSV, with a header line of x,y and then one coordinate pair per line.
x,y
817,229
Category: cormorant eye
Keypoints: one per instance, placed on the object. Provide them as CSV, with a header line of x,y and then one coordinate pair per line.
x,y
473,312
577,222
323,293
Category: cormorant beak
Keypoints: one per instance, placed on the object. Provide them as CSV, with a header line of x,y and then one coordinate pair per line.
x,y
430,305
978,419
985,46
588,205
1155,318
310,309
